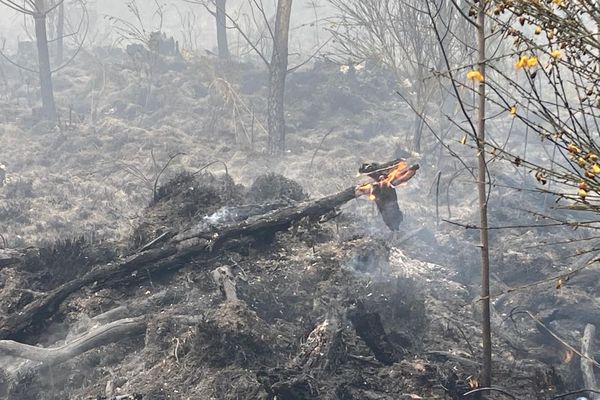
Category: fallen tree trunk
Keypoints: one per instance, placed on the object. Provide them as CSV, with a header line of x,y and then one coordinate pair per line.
x,y
172,255
101,336
134,308
41,309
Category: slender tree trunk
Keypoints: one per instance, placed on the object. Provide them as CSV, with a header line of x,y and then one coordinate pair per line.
x,y
418,133
60,33
221,19
48,106
486,375
278,72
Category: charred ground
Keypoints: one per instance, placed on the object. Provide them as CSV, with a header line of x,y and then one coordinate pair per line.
x,y
337,309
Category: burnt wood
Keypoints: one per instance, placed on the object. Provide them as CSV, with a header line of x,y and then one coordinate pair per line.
x,y
170,256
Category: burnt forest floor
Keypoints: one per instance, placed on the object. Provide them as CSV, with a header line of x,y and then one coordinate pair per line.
x,y
81,194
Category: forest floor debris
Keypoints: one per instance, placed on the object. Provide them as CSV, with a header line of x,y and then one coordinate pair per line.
x,y
285,317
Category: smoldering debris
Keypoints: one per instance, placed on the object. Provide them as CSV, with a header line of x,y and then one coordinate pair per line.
x,y
307,317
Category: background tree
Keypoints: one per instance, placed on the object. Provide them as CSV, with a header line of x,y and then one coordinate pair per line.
x,y
218,9
60,33
277,39
278,69
398,36
221,21
39,9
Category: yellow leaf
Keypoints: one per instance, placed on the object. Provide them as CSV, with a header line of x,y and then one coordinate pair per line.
x,y
596,169
582,193
538,30
463,140
532,62
513,110
475,75
555,53
526,62
522,63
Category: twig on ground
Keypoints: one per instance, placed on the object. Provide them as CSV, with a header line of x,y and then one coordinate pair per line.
x,y
581,391
490,389
555,336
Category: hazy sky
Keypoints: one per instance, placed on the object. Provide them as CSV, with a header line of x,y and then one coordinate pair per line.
x,y
181,20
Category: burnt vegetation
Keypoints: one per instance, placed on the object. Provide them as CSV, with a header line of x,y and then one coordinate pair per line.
x,y
333,200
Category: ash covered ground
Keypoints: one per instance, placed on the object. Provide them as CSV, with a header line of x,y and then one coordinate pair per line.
x,y
339,308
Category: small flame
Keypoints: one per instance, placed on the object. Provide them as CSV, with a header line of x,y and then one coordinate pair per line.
x,y
568,356
398,174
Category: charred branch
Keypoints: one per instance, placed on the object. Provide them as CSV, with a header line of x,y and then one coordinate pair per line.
x,y
171,256
101,336
369,327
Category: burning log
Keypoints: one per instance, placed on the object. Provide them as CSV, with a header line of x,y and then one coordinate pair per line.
x,y
176,249
383,190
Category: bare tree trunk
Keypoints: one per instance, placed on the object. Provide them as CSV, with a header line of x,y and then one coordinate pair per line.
x,y
486,374
221,18
48,106
278,72
418,127
60,33
587,366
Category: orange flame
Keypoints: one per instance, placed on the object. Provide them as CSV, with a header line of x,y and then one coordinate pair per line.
x,y
398,174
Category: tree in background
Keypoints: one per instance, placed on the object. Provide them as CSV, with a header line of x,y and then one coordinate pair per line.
x,y
218,9
277,39
221,21
398,36
56,25
60,33
278,68
39,9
